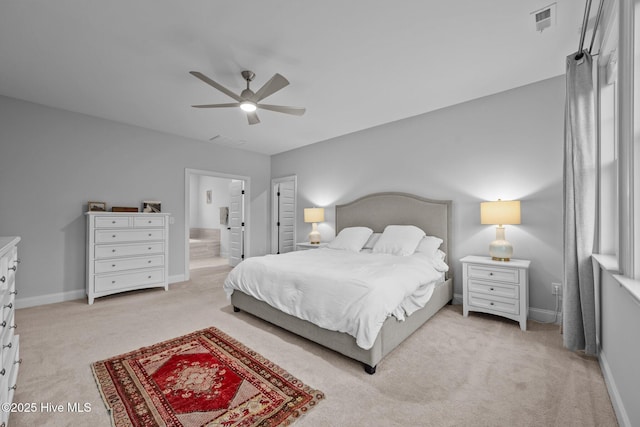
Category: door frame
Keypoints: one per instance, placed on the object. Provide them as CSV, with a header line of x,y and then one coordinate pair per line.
x,y
274,209
187,210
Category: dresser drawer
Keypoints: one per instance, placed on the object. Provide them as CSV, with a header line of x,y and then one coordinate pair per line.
x,y
148,221
112,221
110,251
494,303
499,289
108,266
115,236
507,275
125,280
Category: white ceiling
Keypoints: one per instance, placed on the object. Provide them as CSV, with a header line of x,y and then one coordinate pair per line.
x,y
353,64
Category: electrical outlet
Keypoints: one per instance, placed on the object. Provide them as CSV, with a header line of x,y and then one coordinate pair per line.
x,y
556,289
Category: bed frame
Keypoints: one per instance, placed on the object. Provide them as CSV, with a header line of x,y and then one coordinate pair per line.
x,y
375,211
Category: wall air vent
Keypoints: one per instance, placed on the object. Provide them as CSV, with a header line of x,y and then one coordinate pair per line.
x,y
544,18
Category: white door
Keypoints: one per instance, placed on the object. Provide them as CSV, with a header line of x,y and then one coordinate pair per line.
x,y
236,222
283,200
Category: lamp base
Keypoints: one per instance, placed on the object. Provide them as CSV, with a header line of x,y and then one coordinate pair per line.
x,y
500,249
314,236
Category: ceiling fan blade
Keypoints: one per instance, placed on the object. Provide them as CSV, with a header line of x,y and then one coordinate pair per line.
x,y
276,83
253,118
218,86
296,111
233,104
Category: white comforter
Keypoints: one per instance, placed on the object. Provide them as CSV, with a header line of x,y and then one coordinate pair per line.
x,y
339,290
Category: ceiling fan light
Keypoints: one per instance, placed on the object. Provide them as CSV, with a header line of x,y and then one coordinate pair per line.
x,y
247,106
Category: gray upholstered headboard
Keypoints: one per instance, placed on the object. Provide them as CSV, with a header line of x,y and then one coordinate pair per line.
x,y
378,210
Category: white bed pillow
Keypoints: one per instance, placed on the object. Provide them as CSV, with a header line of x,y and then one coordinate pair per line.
x,y
351,239
399,240
429,245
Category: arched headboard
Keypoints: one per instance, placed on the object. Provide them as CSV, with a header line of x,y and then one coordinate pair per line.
x,y
378,210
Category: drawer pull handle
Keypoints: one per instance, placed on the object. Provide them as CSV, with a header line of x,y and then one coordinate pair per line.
x,y
13,327
18,362
15,386
3,279
10,305
14,268
8,345
13,293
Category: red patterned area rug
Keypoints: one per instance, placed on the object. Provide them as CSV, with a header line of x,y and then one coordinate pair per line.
x,y
204,378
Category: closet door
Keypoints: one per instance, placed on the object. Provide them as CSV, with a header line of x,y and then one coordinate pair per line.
x,y
284,215
236,222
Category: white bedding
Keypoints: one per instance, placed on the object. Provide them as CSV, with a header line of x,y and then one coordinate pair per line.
x,y
339,290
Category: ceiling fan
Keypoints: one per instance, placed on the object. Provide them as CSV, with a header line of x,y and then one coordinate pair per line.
x,y
249,100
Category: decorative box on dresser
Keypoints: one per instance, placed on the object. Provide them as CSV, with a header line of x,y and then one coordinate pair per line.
x,y
10,355
496,287
126,251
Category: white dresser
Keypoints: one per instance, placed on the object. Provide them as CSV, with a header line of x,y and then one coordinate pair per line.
x,y
10,354
126,251
496,287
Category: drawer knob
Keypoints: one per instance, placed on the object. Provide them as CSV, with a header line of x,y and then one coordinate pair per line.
x,y
13,293
113,250
491,274
13,327
113,265
149,234
18,362
113,281
113,222
4,371
114,236
491,303
3,279
10,305
14,268
149,221
149,248
7,345
149,277
15,386
4,323
491,289
149,262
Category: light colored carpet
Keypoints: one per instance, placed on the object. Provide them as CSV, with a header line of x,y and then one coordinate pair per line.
x,y
454,371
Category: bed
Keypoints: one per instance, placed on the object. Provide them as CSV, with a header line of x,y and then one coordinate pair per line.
x,y
375,211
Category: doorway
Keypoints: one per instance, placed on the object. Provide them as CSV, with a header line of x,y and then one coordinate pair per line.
x,y
215,231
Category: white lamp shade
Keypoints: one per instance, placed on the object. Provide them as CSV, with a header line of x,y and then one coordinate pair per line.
x,y
500,212
314,215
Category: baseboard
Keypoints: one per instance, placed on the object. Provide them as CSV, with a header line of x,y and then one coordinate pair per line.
x,y
68,296
535,314
50,298
616,401
176,278
544,316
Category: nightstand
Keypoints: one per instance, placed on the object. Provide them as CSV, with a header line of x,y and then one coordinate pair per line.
x,y
303,246
496,287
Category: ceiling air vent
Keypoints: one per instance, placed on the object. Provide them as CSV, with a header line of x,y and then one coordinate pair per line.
x,y
545,17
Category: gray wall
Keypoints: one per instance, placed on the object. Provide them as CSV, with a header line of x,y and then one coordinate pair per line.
x,y
508,146
53,161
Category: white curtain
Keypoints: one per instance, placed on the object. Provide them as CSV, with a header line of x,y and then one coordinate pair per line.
x,y
579,318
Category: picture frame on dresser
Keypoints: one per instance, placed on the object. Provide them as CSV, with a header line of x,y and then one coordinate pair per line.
x,y
96,206
151,206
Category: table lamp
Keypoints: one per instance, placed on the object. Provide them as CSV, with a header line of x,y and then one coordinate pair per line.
x,y
314,216
500,213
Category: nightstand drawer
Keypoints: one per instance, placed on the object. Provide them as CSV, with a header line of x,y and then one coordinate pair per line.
x,y
495,303
509,275
499,289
